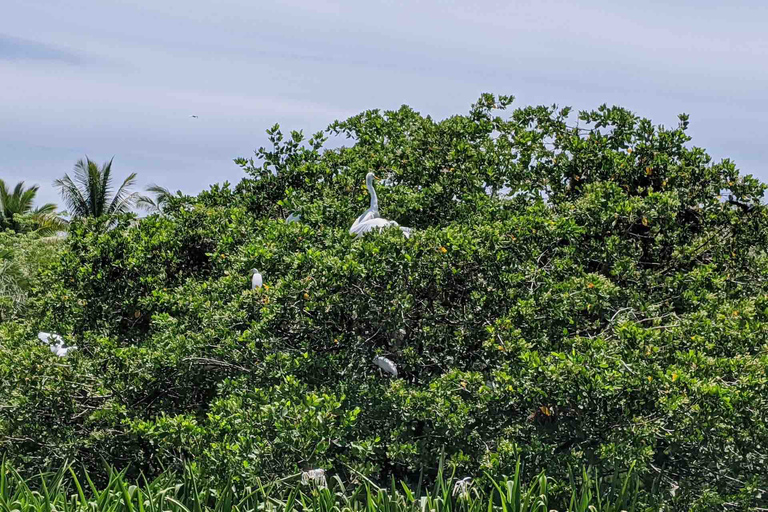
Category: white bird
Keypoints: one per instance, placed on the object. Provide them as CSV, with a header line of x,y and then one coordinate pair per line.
x,y
370,219
256,279
56,343
294,217
386,365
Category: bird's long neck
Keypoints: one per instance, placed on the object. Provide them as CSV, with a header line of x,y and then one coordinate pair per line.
x,y
374,198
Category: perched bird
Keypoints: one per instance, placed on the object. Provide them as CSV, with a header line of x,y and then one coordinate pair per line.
x,y
386,365
56,343
370,219
256,280
294,217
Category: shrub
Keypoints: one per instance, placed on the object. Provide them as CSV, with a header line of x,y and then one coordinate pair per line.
x,y
569,296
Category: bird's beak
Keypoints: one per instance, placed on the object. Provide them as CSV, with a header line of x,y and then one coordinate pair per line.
x,y
376,177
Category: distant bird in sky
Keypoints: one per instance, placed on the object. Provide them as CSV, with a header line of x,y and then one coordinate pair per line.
x,y
193,116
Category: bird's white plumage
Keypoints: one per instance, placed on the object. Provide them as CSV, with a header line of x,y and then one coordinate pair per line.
x,y
294,217
385,364
370,220
256,280
56,343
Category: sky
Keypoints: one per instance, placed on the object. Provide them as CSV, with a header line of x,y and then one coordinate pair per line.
x,y
112,78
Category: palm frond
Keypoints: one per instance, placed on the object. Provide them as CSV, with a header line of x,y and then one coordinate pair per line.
x,y
89,194
49,224
26,198
46,209
162,196
124,200
73,196
147,203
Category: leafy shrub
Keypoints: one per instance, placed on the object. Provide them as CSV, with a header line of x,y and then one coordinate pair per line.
x,y
22,256
570,296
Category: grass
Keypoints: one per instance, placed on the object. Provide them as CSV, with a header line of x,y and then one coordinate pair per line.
x,y
64,491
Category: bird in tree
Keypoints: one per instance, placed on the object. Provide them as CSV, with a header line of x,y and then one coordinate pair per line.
x,y
256,279
16,207
89,194
371,220
161,199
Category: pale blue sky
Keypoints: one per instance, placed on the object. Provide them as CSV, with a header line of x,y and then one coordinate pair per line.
x,y
122,78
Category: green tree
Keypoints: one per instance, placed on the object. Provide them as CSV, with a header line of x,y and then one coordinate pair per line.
x,y
162,196
89,194
18,214
577,289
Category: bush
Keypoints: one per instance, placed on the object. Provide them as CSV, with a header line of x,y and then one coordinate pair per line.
x,y
22,256
569,296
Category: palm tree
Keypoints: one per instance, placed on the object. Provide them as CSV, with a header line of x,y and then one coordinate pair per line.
x,y
162,198
90,193
19,203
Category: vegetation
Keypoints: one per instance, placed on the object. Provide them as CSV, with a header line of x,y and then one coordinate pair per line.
x,y
578,290
17,213
22,257
89,194
162,197
64,491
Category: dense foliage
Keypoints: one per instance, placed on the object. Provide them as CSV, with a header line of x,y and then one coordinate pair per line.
x,y
64,490
22,257
17,213
571,294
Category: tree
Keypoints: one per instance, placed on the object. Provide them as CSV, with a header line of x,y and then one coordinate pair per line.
x,y
161,199
17,212
570,295
89,194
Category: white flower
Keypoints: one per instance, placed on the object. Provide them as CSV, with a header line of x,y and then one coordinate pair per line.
x,y
316,476
385,364
461,487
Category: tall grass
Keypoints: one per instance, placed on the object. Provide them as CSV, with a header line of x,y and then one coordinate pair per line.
x,y
64,491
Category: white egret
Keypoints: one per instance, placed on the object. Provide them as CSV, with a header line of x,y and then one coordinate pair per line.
x,y
256,280
386,365
55,343
370,219
294,217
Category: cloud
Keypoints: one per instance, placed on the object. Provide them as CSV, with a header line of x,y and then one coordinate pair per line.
x,y
12,48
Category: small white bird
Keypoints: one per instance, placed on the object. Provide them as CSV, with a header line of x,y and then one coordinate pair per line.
x,y
386,365
56,343
294,217
256,280
370,219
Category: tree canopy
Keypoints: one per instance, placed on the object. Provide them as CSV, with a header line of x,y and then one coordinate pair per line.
x,y
578,288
